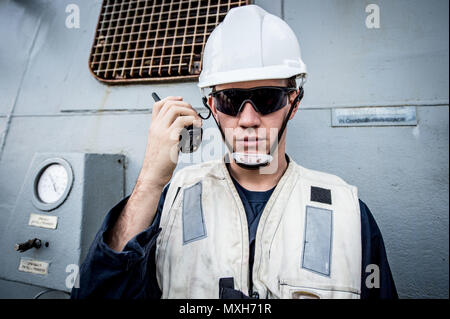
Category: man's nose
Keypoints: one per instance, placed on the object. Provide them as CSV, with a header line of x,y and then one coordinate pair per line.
x,y
249,117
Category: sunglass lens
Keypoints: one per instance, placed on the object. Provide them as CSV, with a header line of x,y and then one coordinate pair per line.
x,y
226,102
269,100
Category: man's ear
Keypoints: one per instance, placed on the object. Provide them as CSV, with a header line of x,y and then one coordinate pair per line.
x,y
292,97
212,106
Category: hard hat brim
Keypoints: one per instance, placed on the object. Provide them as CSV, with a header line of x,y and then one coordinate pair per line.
x,y
252,74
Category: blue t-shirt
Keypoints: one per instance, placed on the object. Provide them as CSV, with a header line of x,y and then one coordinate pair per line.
x,y
254,203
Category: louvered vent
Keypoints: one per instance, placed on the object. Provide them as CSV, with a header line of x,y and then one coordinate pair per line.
x,y
143,40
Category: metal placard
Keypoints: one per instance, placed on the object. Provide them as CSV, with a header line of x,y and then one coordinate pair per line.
x,y
374,116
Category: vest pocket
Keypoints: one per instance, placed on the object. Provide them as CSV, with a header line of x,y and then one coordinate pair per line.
x,y
317,241
290,290
193,221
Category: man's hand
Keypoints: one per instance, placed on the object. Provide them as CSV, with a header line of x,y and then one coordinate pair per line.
x,y
169,117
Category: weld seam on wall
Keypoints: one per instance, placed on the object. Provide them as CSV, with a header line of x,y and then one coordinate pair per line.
x,y
19,89
138,111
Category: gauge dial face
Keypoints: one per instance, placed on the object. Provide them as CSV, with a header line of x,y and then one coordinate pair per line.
x,y
52,183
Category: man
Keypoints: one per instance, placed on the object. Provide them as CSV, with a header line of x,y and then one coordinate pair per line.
x,y
253,224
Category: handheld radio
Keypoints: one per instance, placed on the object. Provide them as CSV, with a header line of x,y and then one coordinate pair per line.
x,y
190,137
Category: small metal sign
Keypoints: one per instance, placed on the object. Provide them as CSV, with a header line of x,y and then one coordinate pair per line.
x,y
43,221
374,116
33,266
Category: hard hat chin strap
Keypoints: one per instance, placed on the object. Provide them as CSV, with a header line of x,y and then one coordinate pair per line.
x,y
255,161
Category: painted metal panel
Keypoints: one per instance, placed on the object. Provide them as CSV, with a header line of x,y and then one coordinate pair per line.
x,y
58,78
19,24
403,62
98,180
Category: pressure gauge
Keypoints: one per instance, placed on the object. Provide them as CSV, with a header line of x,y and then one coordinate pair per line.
x,y
52,182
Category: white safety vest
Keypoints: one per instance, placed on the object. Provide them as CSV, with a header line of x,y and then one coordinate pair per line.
x,y
308,241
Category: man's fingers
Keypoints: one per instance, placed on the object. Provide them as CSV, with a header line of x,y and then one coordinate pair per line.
x,y
175,112
180,123
170,104
158,105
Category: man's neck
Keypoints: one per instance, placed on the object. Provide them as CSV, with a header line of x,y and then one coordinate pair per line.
x,y
259,179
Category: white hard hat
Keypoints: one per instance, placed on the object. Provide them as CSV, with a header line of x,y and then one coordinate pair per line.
x,y
250,44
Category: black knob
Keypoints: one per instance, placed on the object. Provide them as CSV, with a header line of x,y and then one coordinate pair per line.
x,y
32,243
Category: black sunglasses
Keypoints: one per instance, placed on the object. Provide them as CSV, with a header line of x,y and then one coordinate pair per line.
x,y
264,99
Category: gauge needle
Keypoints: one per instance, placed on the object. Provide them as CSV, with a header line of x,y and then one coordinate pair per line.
x,y
53,182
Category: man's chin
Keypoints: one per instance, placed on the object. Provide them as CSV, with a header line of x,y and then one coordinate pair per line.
x,y
255,158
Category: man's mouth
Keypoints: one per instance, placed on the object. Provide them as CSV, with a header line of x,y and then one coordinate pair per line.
x,y
249,143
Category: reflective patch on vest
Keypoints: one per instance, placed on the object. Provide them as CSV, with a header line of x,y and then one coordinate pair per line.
x,y
320,195
317,241
193,221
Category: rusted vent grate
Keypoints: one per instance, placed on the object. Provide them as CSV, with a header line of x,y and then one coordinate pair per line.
x,y
144,40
